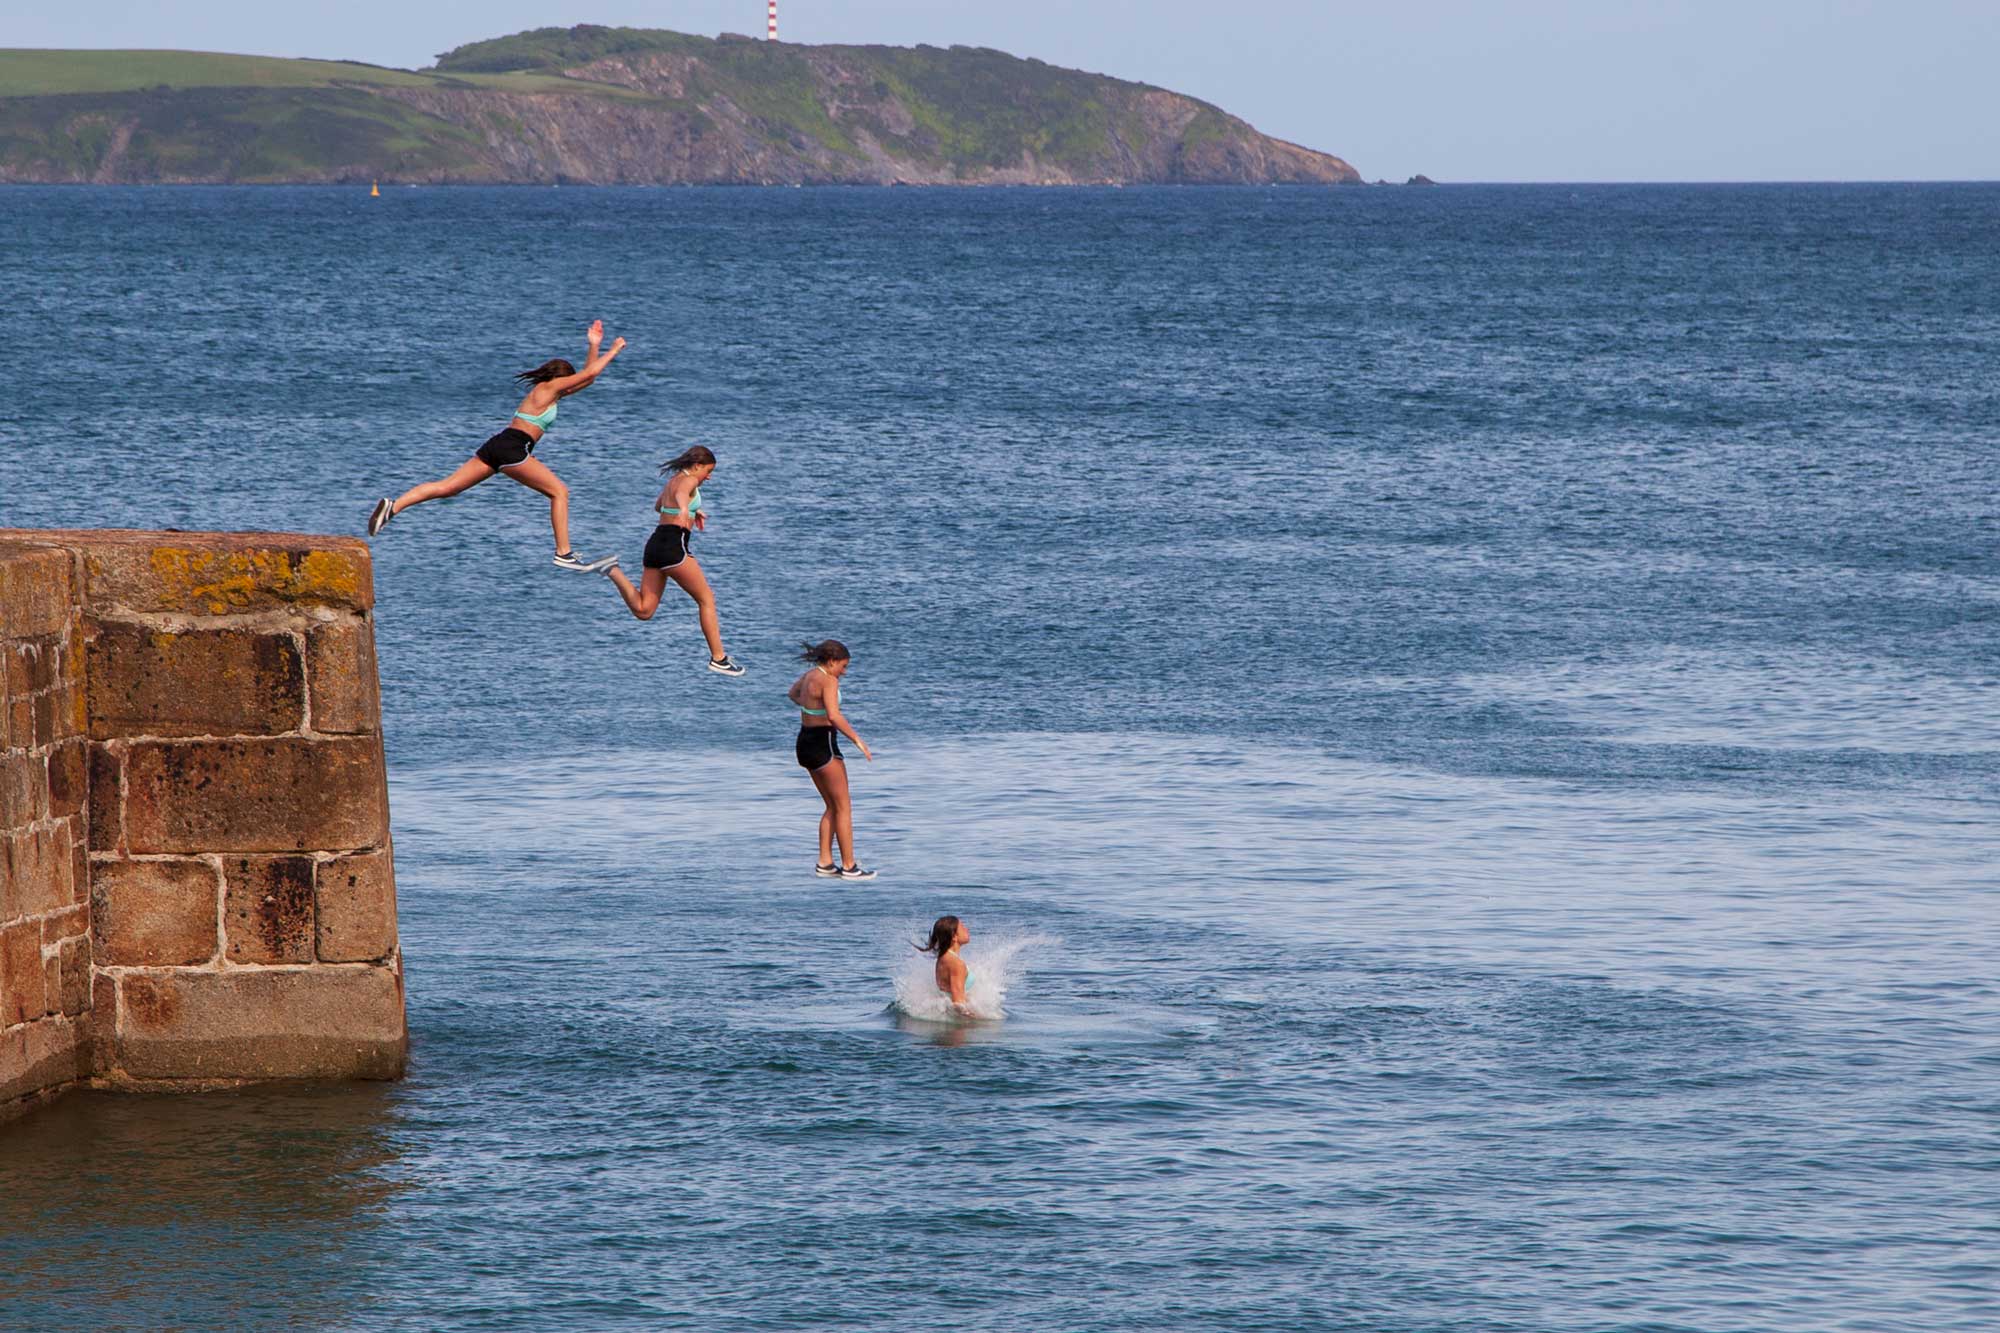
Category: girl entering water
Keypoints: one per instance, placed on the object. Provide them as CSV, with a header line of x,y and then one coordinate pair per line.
x,y
953,976
817,693
668,557
512,450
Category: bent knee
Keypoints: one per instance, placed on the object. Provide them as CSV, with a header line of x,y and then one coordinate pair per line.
x,y
644,612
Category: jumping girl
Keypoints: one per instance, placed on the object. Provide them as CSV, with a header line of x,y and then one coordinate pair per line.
x,y
667,555
817,693
953,976
512,450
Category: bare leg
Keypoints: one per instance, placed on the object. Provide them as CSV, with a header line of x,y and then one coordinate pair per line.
x,y
695,584
820,776
469,474
643,601
831,779
536,476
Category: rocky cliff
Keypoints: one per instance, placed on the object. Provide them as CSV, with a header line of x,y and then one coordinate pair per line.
x,y
593,105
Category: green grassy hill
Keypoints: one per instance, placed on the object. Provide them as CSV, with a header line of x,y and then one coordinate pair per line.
x,y
618,105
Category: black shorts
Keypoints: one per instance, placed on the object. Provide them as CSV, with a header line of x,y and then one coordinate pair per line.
x,y
817,747
667,547
509,447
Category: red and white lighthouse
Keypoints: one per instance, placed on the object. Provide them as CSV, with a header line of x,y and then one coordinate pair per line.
x,y
774,20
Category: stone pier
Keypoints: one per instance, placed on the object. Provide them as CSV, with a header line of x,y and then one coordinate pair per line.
x,y
196,883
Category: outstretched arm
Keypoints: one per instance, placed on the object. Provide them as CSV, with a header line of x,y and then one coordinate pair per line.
x,y
833,715
593,365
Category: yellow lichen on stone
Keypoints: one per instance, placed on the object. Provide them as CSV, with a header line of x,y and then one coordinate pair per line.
x,y
189,578
327,577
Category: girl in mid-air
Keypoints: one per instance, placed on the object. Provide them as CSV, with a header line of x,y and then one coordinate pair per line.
x,y
512,450
668,557
953,976
817,693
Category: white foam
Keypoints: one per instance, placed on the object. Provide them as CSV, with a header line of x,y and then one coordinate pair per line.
x,y
997,963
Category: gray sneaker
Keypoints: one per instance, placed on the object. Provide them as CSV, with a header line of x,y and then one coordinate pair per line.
x,y
385,509
856,872
578,565
724,666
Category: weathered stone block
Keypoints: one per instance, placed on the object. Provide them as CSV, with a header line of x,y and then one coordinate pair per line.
x,y
107,800
322,1022
147,681
222,682
69,785
39,871
35,591
70,921
220,573
22,980
23,789
153,913
346,693
357,908
282,795
51,983
79,865
267,908
40,1056
21,722
74,960
103,1019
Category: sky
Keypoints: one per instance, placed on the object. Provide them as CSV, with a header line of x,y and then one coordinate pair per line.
x,y
1506,90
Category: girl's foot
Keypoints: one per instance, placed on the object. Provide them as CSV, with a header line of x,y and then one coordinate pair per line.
x,y
856,872
575,563
725,665
827,871
385,509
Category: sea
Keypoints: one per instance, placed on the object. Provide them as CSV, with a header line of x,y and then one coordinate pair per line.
x,y
1462,723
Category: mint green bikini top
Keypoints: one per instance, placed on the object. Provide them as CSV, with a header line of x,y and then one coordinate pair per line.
x,y
811,712
694,503
540,420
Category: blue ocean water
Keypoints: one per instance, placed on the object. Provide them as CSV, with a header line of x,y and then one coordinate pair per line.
x,y
1462,720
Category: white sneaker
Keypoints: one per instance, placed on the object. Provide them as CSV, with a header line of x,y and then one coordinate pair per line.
x,y
724,666
856,872
827,871
385,509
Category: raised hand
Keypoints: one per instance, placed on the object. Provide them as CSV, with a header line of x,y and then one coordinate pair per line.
x,y
617,346
596,334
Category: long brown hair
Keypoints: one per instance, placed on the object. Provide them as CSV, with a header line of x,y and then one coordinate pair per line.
x,y
819,654
943,935
548,370
698,456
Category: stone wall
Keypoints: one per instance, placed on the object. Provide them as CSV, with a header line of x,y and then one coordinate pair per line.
x,y
45,946
202,754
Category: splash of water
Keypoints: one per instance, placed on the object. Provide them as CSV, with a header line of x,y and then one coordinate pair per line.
x,y
996,962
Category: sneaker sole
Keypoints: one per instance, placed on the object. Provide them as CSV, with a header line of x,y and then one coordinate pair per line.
x,y
857,879
724,671
826,874
380,518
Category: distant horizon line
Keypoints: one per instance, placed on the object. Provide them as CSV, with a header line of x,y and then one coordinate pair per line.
x,y
1378,183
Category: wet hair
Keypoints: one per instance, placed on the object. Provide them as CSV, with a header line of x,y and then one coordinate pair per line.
x,y
943,935
548,370
698,456
819,654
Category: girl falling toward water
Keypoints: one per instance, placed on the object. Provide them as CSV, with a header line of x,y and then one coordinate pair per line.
x,y
953,976
512,450
817,693
668,557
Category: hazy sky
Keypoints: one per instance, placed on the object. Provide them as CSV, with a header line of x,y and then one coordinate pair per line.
x,y
1567,90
